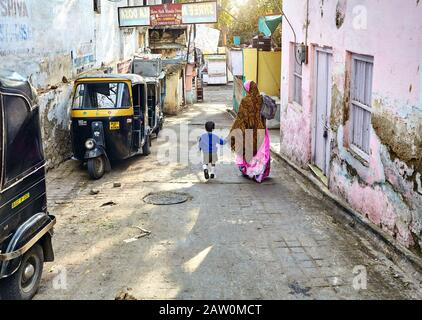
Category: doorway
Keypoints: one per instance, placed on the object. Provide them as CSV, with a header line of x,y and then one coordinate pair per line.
x,y
323,94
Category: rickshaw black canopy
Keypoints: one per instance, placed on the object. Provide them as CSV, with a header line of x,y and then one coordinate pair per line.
x,y
20,124
13,83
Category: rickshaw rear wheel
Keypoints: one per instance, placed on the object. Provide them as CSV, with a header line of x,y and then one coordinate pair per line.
x,y
146,149
96,168
159,129
24,283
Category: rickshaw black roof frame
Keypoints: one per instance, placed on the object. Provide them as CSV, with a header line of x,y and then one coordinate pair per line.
x,y
21,88
133,78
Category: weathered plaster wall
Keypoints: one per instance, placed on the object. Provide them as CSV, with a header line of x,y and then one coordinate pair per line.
x,y
386,189
174,97
54,106
190,90
51,42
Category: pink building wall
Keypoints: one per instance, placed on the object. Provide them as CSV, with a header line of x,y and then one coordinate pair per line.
x,y
388,187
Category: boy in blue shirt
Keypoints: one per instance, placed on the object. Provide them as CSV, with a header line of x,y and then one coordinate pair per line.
x,y
208,143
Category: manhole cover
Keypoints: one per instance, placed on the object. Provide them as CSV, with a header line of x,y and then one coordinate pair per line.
x,y
166,198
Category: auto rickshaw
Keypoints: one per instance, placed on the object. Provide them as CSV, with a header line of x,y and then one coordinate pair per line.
x,y
155,103
109,120
163,85
150,67
26,228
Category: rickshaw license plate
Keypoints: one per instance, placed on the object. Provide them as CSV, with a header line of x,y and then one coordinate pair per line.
x,y
114,125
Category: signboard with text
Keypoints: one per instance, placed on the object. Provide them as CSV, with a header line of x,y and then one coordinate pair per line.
x,y
168,14
200,12
134,16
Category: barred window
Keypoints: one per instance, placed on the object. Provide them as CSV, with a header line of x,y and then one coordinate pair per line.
x,y
361,102
297,77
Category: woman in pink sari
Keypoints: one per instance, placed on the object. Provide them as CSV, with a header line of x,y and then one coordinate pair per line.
x,y
250,137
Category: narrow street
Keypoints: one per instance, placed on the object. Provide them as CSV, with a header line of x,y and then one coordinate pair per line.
x,y
233,239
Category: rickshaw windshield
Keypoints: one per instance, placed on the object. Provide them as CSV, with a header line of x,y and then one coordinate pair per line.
x,y
101,95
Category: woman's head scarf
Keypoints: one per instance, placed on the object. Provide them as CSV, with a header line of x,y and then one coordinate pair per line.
x,y
247,86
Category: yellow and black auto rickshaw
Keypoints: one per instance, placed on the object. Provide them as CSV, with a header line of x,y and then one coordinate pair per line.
x,y
150,67
155,103
109,120
26,228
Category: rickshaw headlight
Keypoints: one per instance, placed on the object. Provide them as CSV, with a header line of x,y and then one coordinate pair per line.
x,y
90,144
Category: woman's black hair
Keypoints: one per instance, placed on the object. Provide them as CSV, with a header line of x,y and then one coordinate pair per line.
x,y
210,126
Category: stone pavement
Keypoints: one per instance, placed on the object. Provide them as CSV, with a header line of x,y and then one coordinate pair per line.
x,y
233,239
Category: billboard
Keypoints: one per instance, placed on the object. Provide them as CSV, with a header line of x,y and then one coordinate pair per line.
x,y
134,16
168,14
199,12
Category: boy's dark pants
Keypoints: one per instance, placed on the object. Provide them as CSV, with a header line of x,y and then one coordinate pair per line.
x,y
210,158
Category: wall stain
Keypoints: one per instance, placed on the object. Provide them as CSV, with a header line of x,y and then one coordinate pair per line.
x,y
339,106
340,13
401,143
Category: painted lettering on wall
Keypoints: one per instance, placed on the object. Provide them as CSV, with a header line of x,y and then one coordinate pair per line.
x,y
13,8
83,57
15,28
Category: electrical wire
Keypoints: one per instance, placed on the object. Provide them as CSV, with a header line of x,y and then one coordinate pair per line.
x,y
294,35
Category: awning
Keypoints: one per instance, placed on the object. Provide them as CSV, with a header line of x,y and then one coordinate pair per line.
x,y
268,24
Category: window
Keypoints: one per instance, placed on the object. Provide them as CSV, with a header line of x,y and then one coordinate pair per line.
x,y
361,103
23,138
297,77
92,96
97,6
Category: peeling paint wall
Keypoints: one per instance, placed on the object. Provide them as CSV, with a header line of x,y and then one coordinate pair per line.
x,y
53,41
54,113
386,187
174,98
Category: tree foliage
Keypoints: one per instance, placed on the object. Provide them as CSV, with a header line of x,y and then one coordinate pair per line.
x,y
242,20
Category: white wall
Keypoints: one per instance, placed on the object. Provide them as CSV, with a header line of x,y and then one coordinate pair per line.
x,y
386,187
39,38
47,40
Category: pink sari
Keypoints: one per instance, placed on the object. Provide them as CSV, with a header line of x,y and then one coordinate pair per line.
x,y
259,167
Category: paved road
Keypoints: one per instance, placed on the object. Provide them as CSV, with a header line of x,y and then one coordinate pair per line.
x,y
233,239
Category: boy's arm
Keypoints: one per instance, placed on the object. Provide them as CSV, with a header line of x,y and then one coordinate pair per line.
x,y
199,143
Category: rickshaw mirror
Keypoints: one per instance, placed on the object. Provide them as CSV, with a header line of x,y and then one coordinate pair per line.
x,y
102,88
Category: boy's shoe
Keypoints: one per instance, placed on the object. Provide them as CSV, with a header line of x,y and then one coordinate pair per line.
x,y
207,174
213,172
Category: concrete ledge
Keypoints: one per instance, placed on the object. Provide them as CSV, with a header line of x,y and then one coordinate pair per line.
x,y
386,239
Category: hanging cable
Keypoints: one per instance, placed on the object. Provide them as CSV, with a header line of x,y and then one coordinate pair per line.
x,y
293,30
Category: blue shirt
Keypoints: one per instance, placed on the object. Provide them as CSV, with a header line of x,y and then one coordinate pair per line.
x,y
208,143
